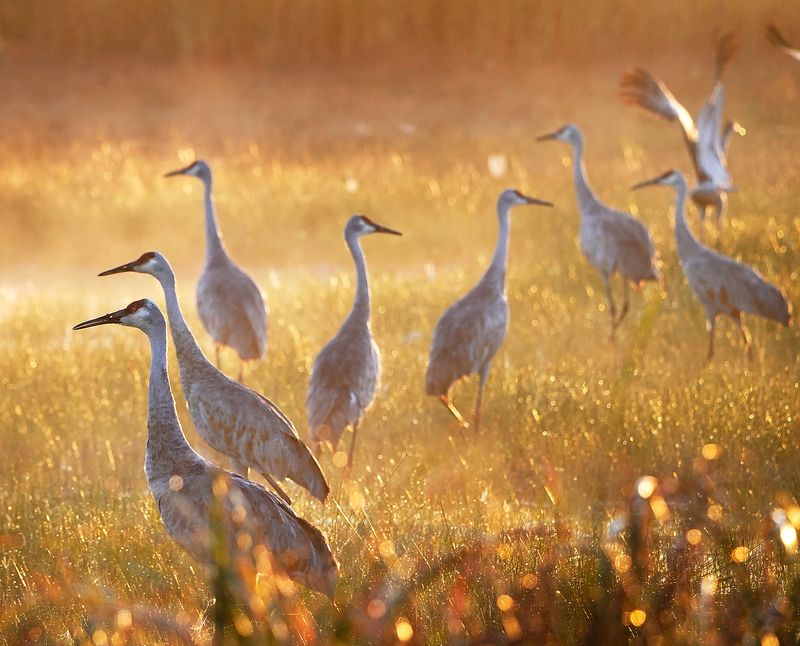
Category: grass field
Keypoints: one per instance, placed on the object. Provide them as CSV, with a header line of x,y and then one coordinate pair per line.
x,y
571,421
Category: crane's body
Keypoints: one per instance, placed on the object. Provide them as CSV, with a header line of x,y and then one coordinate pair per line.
x,y
229,302
229,416
471,330
721,284
707,140
346,372
612,241
183,483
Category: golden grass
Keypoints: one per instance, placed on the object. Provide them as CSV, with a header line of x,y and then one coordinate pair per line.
x,y
570,420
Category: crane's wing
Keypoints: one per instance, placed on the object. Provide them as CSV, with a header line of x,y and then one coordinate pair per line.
x,y
776,38
637,251
638,87
710,148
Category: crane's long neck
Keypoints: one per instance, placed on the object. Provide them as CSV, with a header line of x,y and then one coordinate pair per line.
x,y
684,238
189,353
166,445
583,191
214,246
360,311
496,273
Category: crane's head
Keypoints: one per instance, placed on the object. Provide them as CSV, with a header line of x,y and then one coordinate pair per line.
x,y
152,263
568,133
143,314
670,178
197,169
512,197
361,225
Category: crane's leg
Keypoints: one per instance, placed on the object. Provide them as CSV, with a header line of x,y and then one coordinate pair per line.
x,y
278,489
352,446
612,308
626,303
711,326
482,374
454,411
748,338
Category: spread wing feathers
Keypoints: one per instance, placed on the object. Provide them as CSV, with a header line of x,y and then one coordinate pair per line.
x,y
467,335
638,87
776,38
298,547
636,253
726,48
710,150
248,427
343,382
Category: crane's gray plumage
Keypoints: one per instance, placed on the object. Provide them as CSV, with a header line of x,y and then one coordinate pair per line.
x,y
776,38
612,241
229,302
182,482
721,284
707,140
471,330
346,372
230,417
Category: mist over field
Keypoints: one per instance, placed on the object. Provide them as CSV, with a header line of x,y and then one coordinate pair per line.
x,y
617,492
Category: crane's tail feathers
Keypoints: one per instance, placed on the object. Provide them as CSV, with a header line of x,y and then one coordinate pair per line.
x,y
278,489
726,48
309,474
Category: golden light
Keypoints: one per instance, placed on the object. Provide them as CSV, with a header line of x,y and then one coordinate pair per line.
x,y
770,639
714,513
708,585
794,515
694,536
357,500
659,507
376,609
387,549
339,459
638,617
740,554
645,486
789,537
176,483
711,451
99,638
124,619
404,630
243,625
505,602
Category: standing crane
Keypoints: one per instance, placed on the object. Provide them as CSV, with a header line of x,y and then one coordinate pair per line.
x,y
230,417
721,284
707,140
229,302
183,483
471,330
776,38
612,241
345,373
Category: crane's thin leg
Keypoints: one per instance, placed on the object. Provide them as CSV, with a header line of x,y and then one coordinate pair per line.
x,y
748,338
278,489
454,411
612,308
484,372
711,326
626,304
352,446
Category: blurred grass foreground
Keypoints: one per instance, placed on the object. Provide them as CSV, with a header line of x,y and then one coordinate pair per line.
x,y
618,493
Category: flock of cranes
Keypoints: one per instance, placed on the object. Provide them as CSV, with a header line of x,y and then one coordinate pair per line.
x,y
255,434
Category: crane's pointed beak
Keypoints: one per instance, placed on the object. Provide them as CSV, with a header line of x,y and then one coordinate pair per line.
x,y
537,201
106,319
379,228
128,266
180,171
548,137
647,182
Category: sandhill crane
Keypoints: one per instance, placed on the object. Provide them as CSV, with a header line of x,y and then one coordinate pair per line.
x,y
346,372
471,330
612,241
721,284
776,38
230,417
229,302
707,141
182,482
